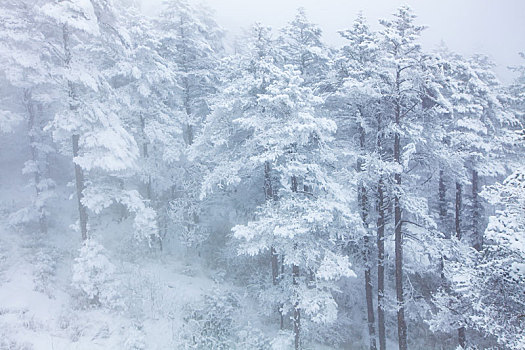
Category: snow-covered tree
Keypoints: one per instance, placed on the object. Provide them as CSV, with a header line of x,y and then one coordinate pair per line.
x,y
302,46
486,287
403,94
93,276
191,41
358,102
310,213
24,56
517,89
143,81
102,148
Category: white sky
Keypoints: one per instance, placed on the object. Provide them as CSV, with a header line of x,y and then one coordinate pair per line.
x,y
492,27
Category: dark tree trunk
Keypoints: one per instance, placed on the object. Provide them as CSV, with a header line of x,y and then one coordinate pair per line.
x,y
363,203
381,266
275,281
462,338
274,258
149,188
381,329
442,202
457,220
459,195
268,187
295,282
280,310
477,235
401,325
296,311
79,173
370,305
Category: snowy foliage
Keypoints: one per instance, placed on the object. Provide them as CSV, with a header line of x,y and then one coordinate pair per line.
x,y
282,194
94,276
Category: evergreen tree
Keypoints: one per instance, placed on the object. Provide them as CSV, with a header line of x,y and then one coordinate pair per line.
x,y
102,148
191,41
359,98
302,46
403,93
311,212
25,56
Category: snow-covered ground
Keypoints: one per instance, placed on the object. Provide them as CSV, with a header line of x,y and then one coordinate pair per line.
x,y
38,306
38,309
160,295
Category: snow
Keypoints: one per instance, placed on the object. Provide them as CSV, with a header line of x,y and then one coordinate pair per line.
x,y
160,192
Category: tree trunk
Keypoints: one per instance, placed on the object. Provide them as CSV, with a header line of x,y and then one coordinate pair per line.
x,y
274,258
381,266
32,130
363,203
381,329
80,185
459,190
145,154
187,107
79,174
296,311
282,274
295,282
457,220
462,338
401,325
370,303
477,235
442,203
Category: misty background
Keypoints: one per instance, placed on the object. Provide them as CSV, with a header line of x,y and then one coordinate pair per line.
x,y
493,28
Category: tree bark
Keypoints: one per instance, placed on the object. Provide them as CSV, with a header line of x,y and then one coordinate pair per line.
x,y
282,274
295,282
79,174
363,203
274,258
370,303
381,265
296,311
401,325
32,130
462,338
459,190
457,220
381,329
442,203
476,213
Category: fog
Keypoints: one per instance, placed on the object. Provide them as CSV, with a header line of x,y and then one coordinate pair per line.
x,y
294,191
494,28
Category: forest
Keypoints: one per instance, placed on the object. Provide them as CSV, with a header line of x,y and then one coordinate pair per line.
x,y
163,189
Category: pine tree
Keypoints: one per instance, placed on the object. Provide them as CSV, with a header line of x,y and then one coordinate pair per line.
x,y
302,46
24,56
243,76
191,41
102,148
403,63
311,211
476,138
357,65
144,83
